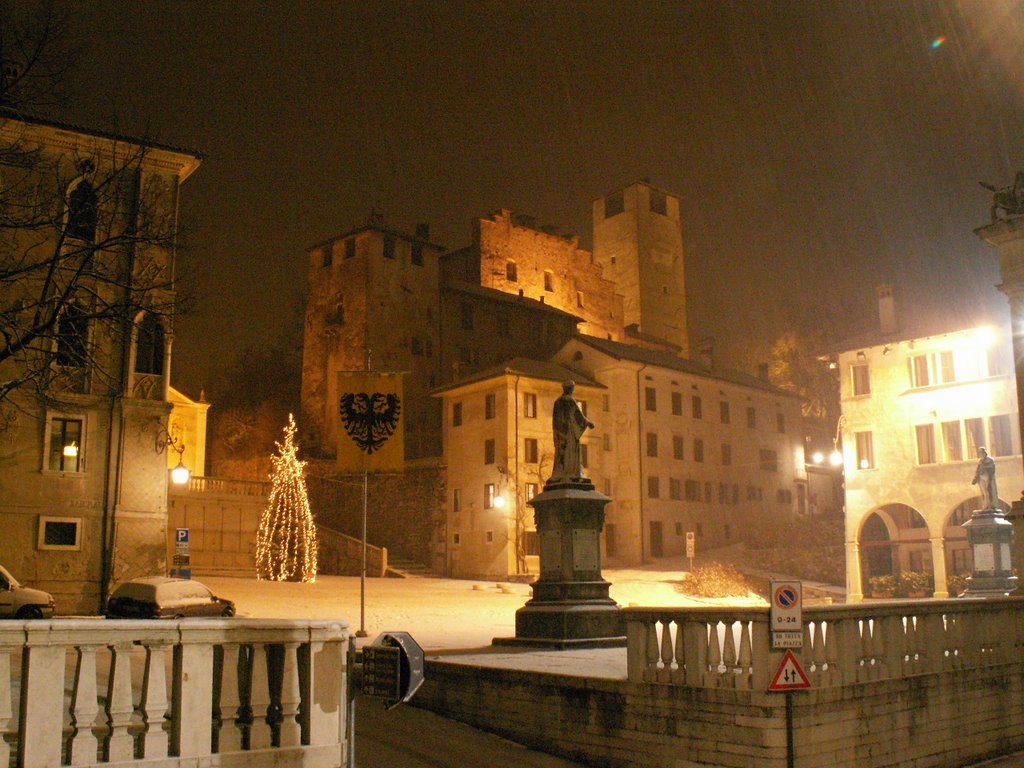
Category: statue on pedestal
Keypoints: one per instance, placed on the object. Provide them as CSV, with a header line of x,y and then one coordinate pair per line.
x,y
985,479
1009,199
569,424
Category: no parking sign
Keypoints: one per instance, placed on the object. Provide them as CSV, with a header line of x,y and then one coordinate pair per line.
x,y
785,618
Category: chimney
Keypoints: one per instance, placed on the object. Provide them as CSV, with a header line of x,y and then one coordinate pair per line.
x,y
423,232
887,309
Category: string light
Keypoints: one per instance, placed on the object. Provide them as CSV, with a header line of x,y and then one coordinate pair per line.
x,y
286,542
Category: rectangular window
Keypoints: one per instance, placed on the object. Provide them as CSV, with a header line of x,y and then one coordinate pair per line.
x,y
606,441
416,254
659,204
947,373
692,488
769,460
529,405
1002,440
549,281
489,451
584,455
614,205
751,417
511,272
606,403
608,487
489,496
609,539
456,500
489,537
489,409
677,446
698,449
456,539
735,493
698,407
65,445
865,450
653,487
723,412
652,443
726,455
707,491
723,493
650,399
350,248
925,434
389,247
530,450
861,377
73,337
919,371
328,256
780,423
952,445
675,489
784,496
456,414
531,491
975,429
60,533
677,404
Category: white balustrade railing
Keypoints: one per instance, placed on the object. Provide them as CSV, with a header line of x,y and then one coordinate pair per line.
x,y
225,692
842,645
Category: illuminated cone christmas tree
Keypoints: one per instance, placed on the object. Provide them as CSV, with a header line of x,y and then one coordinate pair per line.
x,y
286,542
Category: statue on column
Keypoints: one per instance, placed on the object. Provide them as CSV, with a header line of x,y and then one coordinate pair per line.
x,y
985,479
1010,200
569,424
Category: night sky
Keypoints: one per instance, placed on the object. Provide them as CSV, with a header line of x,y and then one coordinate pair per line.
x,y
819,148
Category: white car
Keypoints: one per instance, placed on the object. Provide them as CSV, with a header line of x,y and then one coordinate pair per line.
x,y
18,602
159,597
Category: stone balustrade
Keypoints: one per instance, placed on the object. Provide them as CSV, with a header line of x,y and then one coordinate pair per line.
x,y
224,692
842,645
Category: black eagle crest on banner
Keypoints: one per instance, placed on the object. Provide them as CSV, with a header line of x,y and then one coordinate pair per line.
x,y
370,419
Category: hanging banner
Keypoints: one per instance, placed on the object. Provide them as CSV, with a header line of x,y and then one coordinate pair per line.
x,y
370,422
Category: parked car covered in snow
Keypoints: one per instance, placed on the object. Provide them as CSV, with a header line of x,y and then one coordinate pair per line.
x,y
160,597
18,602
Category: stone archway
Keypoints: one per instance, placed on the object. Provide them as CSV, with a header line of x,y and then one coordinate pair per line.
x,y
893,540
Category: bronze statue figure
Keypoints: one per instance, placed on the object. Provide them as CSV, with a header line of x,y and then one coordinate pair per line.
x,y
985,479
1009,199
569,424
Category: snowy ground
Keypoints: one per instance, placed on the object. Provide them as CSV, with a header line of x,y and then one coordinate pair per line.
x,y
439,613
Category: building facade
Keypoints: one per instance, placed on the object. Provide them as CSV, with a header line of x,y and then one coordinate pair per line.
x,y
83,485
915,411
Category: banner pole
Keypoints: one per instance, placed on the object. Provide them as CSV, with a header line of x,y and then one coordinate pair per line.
x,y
362,574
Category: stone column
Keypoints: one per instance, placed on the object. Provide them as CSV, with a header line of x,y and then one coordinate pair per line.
x,y
854,587
1007,236
939,566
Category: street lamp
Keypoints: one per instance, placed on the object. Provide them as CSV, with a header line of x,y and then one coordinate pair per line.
x,y
180,474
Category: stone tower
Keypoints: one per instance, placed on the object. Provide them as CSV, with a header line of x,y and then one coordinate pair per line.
x,y
639,245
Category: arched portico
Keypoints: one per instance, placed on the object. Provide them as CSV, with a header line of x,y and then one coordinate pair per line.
x,y
892,539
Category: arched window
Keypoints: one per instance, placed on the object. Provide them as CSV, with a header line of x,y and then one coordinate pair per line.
x,y
72,337
149,346
82,212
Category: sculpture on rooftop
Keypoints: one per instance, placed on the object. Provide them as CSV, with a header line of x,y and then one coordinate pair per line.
x,y
569,424
1008,199
985,479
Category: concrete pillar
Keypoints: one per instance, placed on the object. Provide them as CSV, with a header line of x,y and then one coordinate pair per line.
x,y
939,566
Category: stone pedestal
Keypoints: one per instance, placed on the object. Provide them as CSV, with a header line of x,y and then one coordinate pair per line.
x,y
989,534
570,605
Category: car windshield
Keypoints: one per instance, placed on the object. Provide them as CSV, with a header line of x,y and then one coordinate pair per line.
x,y
6,580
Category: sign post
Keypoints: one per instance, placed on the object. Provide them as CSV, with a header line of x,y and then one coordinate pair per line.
x,y
182,561
691,547
788,678
786,617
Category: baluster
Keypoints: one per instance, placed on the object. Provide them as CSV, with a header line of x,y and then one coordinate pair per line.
x,y
119,744
153,703
192,711
259,699
651,651
6,711
729,655
229,736
745,659
42,695
82,745
679,673
665,672
291,733
714,655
